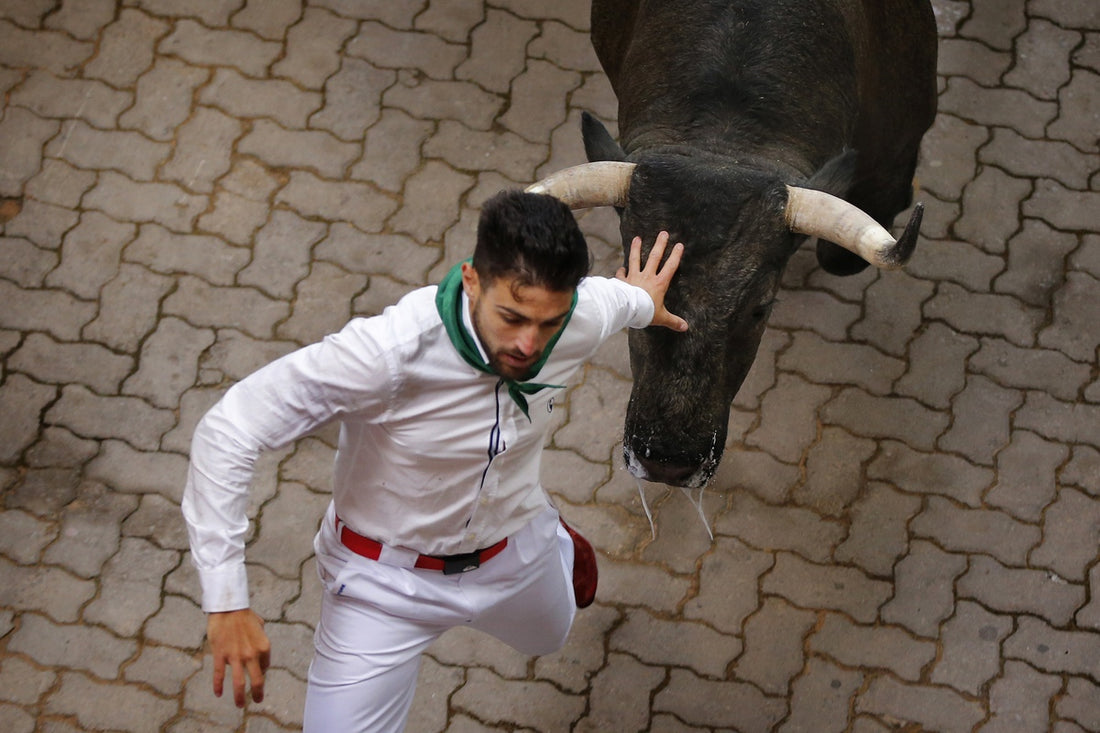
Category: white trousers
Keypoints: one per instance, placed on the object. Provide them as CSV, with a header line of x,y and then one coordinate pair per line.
x,y
377,618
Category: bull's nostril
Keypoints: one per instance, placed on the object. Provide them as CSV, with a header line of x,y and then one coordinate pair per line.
x,y
667,473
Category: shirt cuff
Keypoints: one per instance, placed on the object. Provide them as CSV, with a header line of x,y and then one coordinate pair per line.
x,y
224,589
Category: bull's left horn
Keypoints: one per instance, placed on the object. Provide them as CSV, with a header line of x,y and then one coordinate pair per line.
x,y
604,183
823,215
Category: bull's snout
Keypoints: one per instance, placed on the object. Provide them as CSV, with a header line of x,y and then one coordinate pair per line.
x,y
674,470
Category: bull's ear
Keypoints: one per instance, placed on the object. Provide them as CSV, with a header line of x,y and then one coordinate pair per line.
x,y
598,143
837,176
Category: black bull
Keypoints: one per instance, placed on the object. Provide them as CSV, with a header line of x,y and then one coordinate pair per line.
x,y
733,115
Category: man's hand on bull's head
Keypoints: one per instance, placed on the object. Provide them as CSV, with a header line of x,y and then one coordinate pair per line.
x,y
654,278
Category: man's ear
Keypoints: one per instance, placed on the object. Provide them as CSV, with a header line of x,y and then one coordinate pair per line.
x,y
471,283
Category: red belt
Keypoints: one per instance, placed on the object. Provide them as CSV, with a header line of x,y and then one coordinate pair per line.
x,y
448,564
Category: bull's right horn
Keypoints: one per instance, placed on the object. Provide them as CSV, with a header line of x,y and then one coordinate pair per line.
x,y
604,183
825,216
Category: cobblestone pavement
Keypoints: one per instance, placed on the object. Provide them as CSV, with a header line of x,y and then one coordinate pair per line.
x,y
906,521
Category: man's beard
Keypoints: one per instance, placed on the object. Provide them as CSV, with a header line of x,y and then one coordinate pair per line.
x,y
495,361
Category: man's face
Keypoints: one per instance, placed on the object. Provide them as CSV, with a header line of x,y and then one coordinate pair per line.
x,y
514,324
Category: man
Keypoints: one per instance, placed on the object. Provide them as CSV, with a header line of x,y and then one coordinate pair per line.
x,y
438,518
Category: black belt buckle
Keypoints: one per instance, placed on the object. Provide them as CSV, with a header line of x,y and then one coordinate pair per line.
x,y
455,564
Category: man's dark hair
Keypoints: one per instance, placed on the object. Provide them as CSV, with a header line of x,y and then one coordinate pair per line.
x,y
532,238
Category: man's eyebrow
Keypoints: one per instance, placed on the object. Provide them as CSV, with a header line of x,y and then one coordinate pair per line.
x,y
516,314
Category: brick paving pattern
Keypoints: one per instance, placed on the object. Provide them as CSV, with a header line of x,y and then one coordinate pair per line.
x,y
907,518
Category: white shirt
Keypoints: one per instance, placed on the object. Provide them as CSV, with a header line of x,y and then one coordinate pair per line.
x,y
433,456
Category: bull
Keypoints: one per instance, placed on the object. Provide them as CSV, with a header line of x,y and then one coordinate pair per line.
x,y
746,128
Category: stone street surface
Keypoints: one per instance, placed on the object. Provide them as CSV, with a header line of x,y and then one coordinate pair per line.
x,y
906,521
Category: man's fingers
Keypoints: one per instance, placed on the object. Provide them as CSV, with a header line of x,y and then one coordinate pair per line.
x,y
658,251
256,669
634,258
673,262
219,676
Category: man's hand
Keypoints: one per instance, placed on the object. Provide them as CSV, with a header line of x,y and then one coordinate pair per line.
x,y
654,279
237,639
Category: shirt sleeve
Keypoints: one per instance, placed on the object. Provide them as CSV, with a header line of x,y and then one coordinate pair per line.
x,y
621,304
347,372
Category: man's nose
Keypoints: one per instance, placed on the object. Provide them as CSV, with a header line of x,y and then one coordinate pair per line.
x,y
527,340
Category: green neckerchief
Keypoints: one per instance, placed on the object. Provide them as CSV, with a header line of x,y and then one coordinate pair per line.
x,y
448,301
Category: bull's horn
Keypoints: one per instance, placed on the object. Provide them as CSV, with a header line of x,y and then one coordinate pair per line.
x,y
604,183
823,215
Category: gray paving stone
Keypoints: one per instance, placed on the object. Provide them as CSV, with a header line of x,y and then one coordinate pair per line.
x,y
633,584
461,101
268,18
526,703
353,99
820,698
396,255
74,100
975,530
163,668
431,202
682,536
15,719
27,13
1081,702
971,642
43,491
63,646
1018,590
452,20
787,427
392,150
125,48
126,418
59,447
691,645
1083,470
314,150
163,98
892,312
1069,555
23,683
598,439
497,50
243,308
972,59
1078,111
59,183
494,150
809,585
877,535
997,107
816,311
84,21
828,362
981,424
127,200
201,46
952,146
49,361
356,203
243,97
398,16
43,224
874,647
52,50
991,203
1026,482
529,114
434,686
22,134
179,623
25,263
22,402
127,308
1053,650
281,254
130,586
785,528
97,705
234,218
397,49
169,253
885,417
158,520
313,45
621,693
22,536
203,148
996,24
289,521
1045,370
924,589
43,588
565,47
930,707
90,255
937,364
126,152
168,363
465,647
88,534
199,703
131,471
1074,330
1062,421
774,638
1019,700
1061,207
321,304
718,703
236,355
579,661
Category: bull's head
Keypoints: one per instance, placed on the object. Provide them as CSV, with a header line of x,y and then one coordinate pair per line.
x,y
739,225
